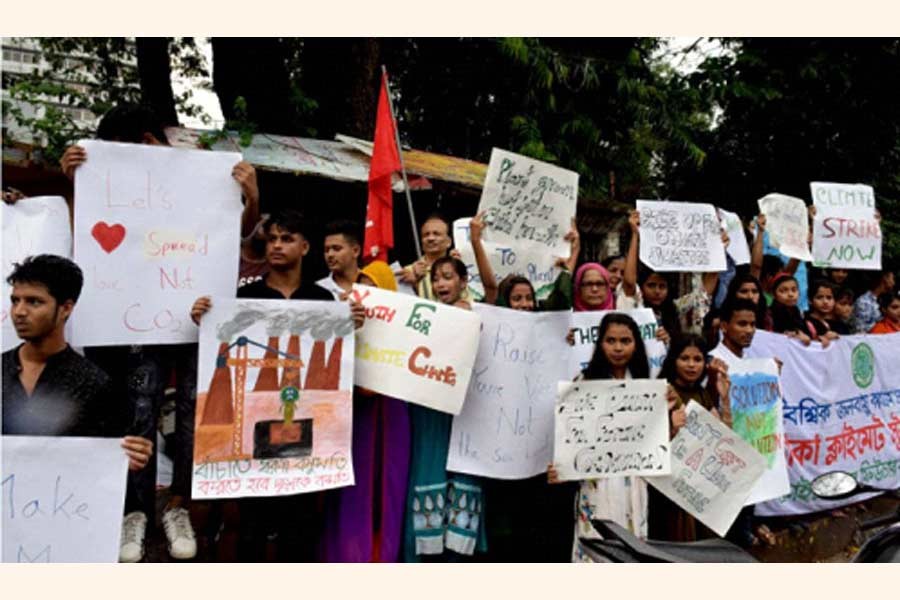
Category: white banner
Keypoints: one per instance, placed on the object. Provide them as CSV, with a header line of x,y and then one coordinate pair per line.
x,y
155,227
611,428
755,398
680,236
31,226
737,248
415,349
787,222
846,233
528,202
505,429
533,263
841,412
713,470
62,498
274,398
587,327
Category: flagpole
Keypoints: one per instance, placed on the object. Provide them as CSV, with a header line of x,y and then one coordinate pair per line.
x,y
412,215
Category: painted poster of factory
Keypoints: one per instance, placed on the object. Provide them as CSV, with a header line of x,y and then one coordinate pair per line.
x,y
274,398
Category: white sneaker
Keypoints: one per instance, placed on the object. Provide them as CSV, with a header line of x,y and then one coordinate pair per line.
x,y
177,523
131,546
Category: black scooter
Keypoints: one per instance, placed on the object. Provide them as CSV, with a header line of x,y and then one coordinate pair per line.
x,y
621,546
884,546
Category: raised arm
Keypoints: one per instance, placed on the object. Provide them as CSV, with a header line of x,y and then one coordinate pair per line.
x,y
756,251
629,277
244,173
485,271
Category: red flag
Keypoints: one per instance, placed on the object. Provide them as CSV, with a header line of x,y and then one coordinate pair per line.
x,y
379,236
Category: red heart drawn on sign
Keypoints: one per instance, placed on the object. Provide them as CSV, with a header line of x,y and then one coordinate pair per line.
x,y
108,236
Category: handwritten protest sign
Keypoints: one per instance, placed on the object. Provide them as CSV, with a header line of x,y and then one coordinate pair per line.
x,y
737,247
530,262
846,233
62,498
841,412
528,201
31,226
155,227
680,236
611,428
787,224
274,398
414,349
755,398
505,429
713,470
587,329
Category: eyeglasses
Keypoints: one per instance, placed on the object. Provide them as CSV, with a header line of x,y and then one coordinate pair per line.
x,y
596,284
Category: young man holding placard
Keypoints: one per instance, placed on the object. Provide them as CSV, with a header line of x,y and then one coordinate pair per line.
x,y
143,372
49,389
294,521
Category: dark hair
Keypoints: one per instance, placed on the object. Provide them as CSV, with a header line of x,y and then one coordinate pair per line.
x,y
506,287
884,300
669,370
845,292
458,266
610,260
735,305
290,220
735,285
599,367
348,229
62,277
771,266
668,314
821,283
710,333
129,123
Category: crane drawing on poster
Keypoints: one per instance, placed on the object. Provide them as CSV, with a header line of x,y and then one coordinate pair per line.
x,y
262,428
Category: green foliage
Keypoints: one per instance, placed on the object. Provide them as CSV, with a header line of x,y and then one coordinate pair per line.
x,y
92,74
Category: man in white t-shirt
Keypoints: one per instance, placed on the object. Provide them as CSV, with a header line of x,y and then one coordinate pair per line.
x,y
738,324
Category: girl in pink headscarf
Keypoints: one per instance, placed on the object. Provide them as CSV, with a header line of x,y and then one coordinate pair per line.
x,y
592,288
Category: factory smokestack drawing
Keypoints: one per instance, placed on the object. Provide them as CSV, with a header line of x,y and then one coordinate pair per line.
x,y
218,409
333,370
290,376
267,380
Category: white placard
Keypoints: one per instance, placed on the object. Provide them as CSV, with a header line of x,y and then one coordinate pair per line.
x,y
528,202
756,410
713,470
415,349
31,226
274,398
611,428
535,264
587,329
787,223
737,248
155,227
680,236
846,234
505,429
62,498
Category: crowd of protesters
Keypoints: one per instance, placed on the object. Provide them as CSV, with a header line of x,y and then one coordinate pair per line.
x,y
399,450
